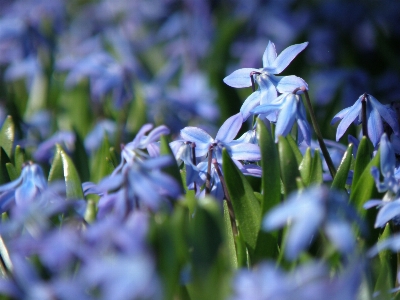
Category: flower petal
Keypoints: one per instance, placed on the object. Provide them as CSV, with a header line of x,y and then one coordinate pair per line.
x,y
245,151
350,116
375,125
251,102
286,56
201,138
387,114
230,128
240,78
387,212
269,55
287,117
287,84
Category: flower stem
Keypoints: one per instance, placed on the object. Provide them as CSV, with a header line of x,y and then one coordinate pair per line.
x,y
193,146
208,175
364,115
324,150
227,197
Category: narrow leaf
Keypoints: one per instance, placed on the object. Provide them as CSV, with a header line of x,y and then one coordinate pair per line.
x,y
7,135
62,162
245,204
305,167
288,165
340,179
363,157
316,168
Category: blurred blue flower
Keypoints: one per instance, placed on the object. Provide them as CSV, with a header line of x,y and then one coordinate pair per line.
x,y
105,75
289,108
309,211
268,83
305,282
94,138
375,113
24,189
45,150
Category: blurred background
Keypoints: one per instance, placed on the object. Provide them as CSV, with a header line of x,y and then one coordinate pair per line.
x,y
113,65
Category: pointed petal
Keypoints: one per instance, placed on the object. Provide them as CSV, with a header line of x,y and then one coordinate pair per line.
x,y
386,113
201,138
351,115
154,135
340,115
266,108
375,125
269,55
230,128
303,124
387,212
251,102
145,128
240,78
245,151
287,84
388,159
287,117
372,203
341,235
286,56
267,89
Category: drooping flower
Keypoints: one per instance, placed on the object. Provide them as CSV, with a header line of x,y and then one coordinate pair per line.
x,y
289,108
375,113
24,189
268,84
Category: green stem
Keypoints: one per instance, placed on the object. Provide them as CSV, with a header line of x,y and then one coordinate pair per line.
x,y
324,150
364,115
208,178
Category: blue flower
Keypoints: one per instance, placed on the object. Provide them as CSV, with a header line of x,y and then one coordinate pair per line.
x,y
268,83
314,209
224,139
388,166
24,189
290,108
375,113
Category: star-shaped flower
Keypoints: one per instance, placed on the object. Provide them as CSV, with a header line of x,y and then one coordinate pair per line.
x,y
269,84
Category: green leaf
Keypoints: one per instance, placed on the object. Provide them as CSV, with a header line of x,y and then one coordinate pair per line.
x,y
173,169
289,166
305,167
295,148
19,158
63,167
340,179
316,169
365,188
230,239
101,164
363,158
271,183
12,171
80,158
7,135
4,160
245,204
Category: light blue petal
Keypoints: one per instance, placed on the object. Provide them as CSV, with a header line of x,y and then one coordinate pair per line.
x,y
287,84
266,108
168,185
387,212
372,203
154,135
392,243
26,193
198,136
6,201
340,115
286,56
230,128
269,55
287,117
267,89
135,143
388,158
240,78
251,102
245,152
375,125
351,115
341,235
387,114
13,184
303,124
